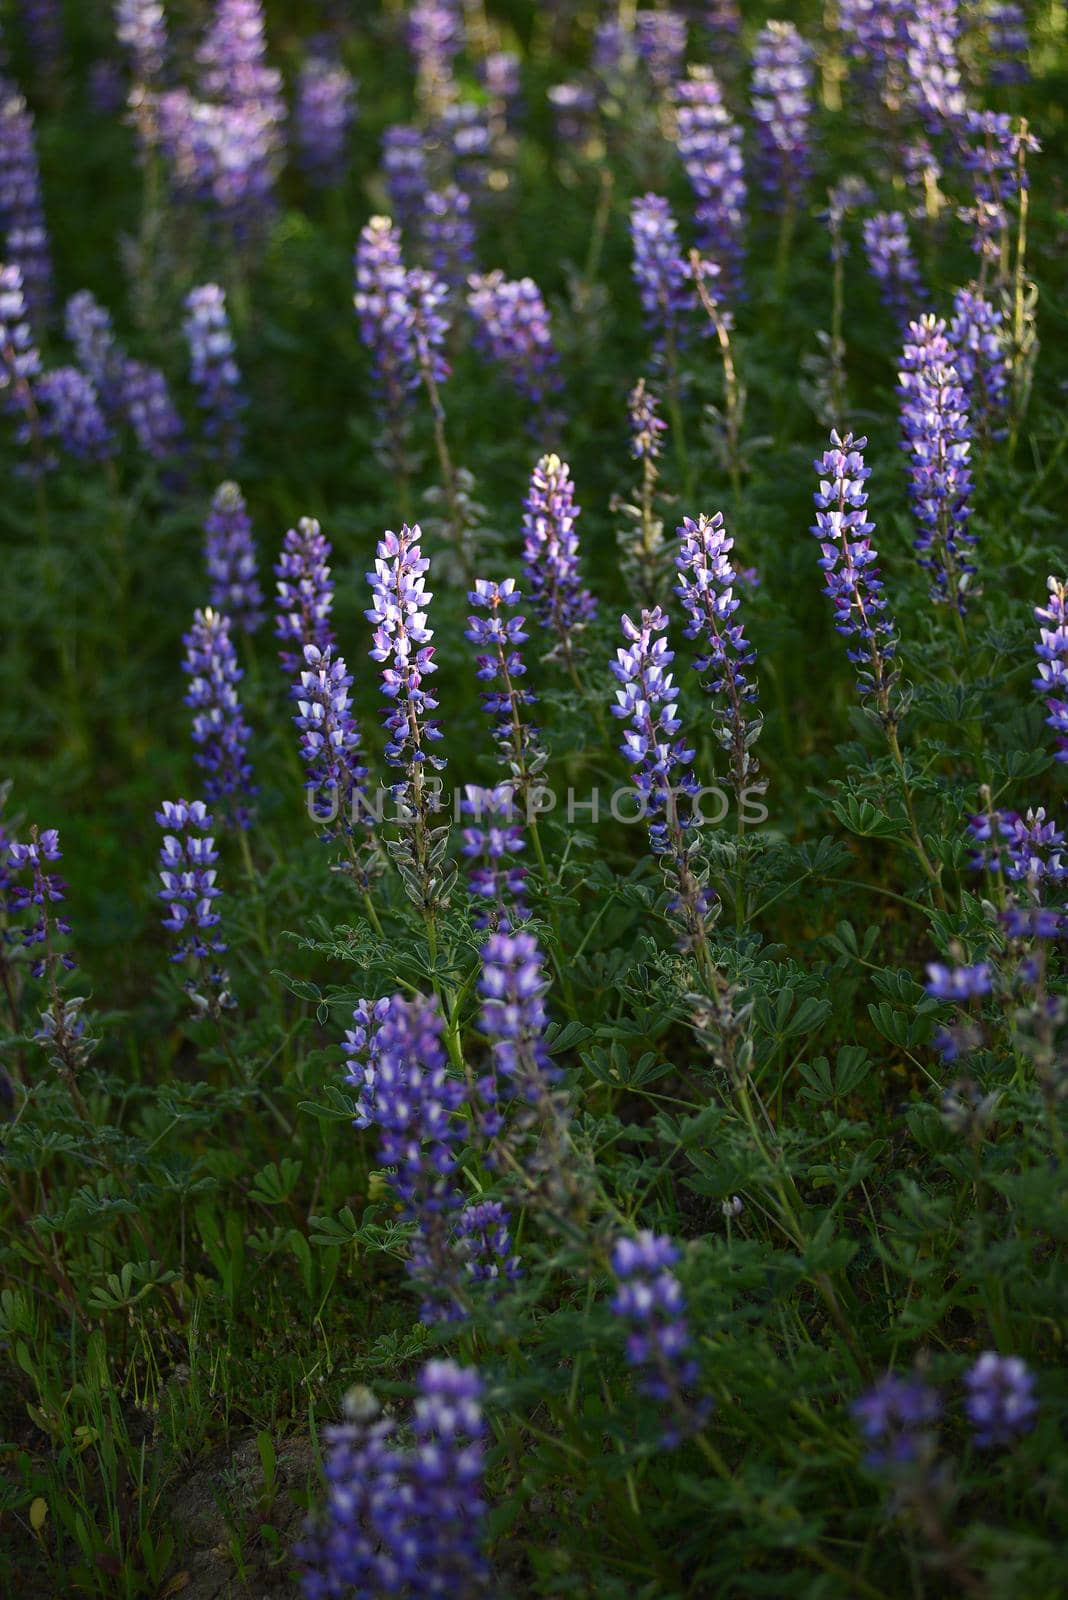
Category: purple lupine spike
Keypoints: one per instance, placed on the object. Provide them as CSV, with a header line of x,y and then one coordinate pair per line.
x,y
213,368
325,113
444,1515
344,1550
650,1303
492,847
993,147
20,360
706,587
1001,1402
1007,41
230,558
660,39
933,75
385,320
662,273
428,300
574,106
978,337
44,890
305,595
448,235
958,984
722,20
1029,855
232,57
406,170
514,329
499,638
106,84
1052,653
435,38
894,1418
141,27
145,399
551,558
512,986
187,870
89,329
613,49
500,73
22,218
224,155
710,146
361,1046
330,740
70,414
464,130
850,564
782,109
646,698
937,438
893,264
220,731
483,1239
646,425
43,22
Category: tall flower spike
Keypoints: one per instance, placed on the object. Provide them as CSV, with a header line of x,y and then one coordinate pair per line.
x,y
650,1303
329,740
62,1032
849,562
220,731
937,438
402,644
89,329
343,1551
187,871
663,276
513,328
22,220
710,147
551,558
406,171
501,668
660,40
933,76
1052,653
446,1509
141,28
894,1418
385,322
305,595
213,368
782,109
326,110
978,338
71,415
20,361
448,233
892,262
230,557
644,557
1001,1402
706,588
1008,41
145,401
493,845
646,700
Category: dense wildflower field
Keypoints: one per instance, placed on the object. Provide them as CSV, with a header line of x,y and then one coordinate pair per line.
x,y
533,1021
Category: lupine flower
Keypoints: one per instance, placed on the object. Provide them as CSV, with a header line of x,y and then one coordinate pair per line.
x,y
435,38
893,265
43,21
850,563
427,299
933,76
22,219
107,87
20,361
782,109
230,557
45,889
501,667
1052,653
188,874
937,438
325,112
551,557
225,156
977,337
511,987
89,329
71,415
220,731
646,699
483,1239
958,984
146,401
448,235
663,276
993,147
464,131
141,26
305,596
706,581
650,1302
894,1418
330,739
613,49
445,1510
347,1551
362,1049
1001,1402
722,20
492,847
1029,854
213,369
232,57
660,40
385,321
513,329
644,558
710,147
573,106
405,169
1007,41
500,74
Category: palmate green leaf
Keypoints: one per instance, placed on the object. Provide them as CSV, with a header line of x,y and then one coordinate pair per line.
x,y
866,820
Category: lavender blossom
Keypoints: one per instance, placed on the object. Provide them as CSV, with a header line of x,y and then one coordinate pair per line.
x,y
385,321
893,264
483,1239
979,341
782,109
937,438
213,368
443,1535
933,76
1001,1402
188,874
551,558
325,112
22,219
1052,653
146,402
650,1302
230,558
406,171
305,595
660,40
894,1418
850,563
710,147
513,328
663,276
141,27
448,235
706,584
646,699
71,415
220,731
330,739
